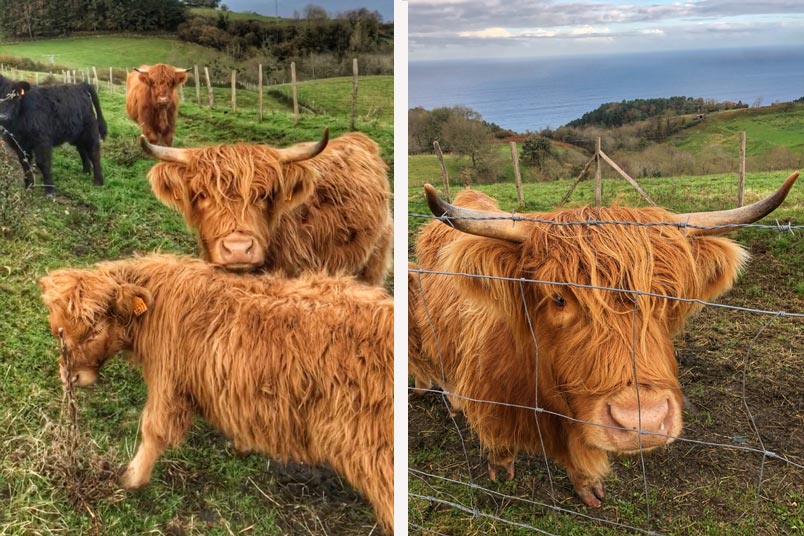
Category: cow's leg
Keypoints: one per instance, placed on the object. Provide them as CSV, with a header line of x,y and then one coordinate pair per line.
x,y
502,458
24,162
86,165
167,138
165,421
586,467
94,155
43,155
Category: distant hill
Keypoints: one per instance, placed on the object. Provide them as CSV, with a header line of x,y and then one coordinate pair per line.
x,y
617,114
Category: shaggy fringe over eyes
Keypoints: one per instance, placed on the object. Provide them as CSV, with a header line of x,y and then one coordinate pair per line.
x,y
658,260
235,176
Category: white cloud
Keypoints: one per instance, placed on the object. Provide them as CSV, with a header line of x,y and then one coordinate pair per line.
x,y
488,33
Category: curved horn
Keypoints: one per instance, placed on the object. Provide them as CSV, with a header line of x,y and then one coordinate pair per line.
x,y
181,70
476,222
141,69
165,154
303,151
736,216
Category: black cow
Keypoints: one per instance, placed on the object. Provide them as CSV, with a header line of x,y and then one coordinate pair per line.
x,y
36,119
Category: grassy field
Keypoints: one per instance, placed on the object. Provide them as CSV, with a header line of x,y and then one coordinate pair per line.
x,y
766,128
201,487
111,51
693,488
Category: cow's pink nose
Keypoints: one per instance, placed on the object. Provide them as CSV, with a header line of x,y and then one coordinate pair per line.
x,y
648,414
238,249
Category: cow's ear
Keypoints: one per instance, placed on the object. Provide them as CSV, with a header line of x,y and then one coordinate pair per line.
x,y
21,87
170,186
480,256
131,301
143,77
719,261
181,77
297,184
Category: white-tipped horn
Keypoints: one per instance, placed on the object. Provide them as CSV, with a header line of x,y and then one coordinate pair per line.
x,y
476,222
303,151
724,220
142,69
166,154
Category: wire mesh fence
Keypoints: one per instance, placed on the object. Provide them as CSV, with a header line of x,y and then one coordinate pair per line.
x,y
737,467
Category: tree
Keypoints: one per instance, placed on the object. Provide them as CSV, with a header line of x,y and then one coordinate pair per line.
x,y
536,150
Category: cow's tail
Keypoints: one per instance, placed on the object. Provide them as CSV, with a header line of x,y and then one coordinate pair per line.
x,y
96,103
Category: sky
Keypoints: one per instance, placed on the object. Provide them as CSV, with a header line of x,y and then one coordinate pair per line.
x,y
471,29
287,7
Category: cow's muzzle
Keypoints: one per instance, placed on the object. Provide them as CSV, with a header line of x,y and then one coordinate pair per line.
x,y
657,413
239,252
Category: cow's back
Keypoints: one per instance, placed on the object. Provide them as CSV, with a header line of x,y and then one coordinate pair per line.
x,y
346,224
54,114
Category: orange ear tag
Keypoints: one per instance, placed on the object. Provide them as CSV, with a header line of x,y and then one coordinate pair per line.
x,y
139,306
22,92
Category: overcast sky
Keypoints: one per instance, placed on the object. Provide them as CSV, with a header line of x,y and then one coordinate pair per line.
x,y
450,29
287,7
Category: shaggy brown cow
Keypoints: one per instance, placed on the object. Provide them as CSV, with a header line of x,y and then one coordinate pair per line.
x,y
310,207
152,100
297,369
584,364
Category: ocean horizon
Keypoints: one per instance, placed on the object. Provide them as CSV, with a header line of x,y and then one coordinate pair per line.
x,y
533,94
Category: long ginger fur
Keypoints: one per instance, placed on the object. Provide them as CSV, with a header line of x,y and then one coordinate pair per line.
x,y
295,369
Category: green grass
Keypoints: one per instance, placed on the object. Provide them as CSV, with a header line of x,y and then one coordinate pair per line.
x,y
111,51
766,128
200,487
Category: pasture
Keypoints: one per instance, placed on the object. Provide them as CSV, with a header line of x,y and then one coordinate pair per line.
x,y
201,487
729,361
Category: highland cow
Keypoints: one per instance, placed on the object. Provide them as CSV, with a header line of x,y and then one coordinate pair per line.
x,y
590,344
296,369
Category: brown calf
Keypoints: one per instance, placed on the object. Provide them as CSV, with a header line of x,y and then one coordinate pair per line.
x,y
296,369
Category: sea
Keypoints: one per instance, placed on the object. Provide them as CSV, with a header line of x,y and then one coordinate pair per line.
x,y
533,94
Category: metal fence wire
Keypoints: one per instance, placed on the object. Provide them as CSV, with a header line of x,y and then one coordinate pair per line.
x,y
454,481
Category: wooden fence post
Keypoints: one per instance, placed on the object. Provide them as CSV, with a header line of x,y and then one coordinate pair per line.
x,y
577,180
598,179
111,81
354,94
517,175
444,174
197,84
36,75
95,76
234,91
259,91
627,177
741,179
294,91
209,88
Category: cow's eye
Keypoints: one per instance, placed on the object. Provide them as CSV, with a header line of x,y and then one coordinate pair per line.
x,y
559,300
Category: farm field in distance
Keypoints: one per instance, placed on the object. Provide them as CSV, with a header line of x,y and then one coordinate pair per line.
x,y
693,488
200,487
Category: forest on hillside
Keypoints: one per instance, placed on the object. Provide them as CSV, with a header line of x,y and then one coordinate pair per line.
x,y
321,43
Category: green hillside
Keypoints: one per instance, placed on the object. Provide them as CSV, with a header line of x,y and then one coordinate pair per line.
x,y
766,128
111,51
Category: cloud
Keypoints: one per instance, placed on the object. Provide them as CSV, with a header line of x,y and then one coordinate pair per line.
x,y
634,24
487,33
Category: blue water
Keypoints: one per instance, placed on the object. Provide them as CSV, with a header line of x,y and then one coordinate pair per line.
x,y
549,92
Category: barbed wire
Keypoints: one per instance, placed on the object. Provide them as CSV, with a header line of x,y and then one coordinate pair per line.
x,y
513,217
764,452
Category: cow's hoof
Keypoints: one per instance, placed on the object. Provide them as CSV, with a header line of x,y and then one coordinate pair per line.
x,y
507,467
131,480
51,194
592,495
